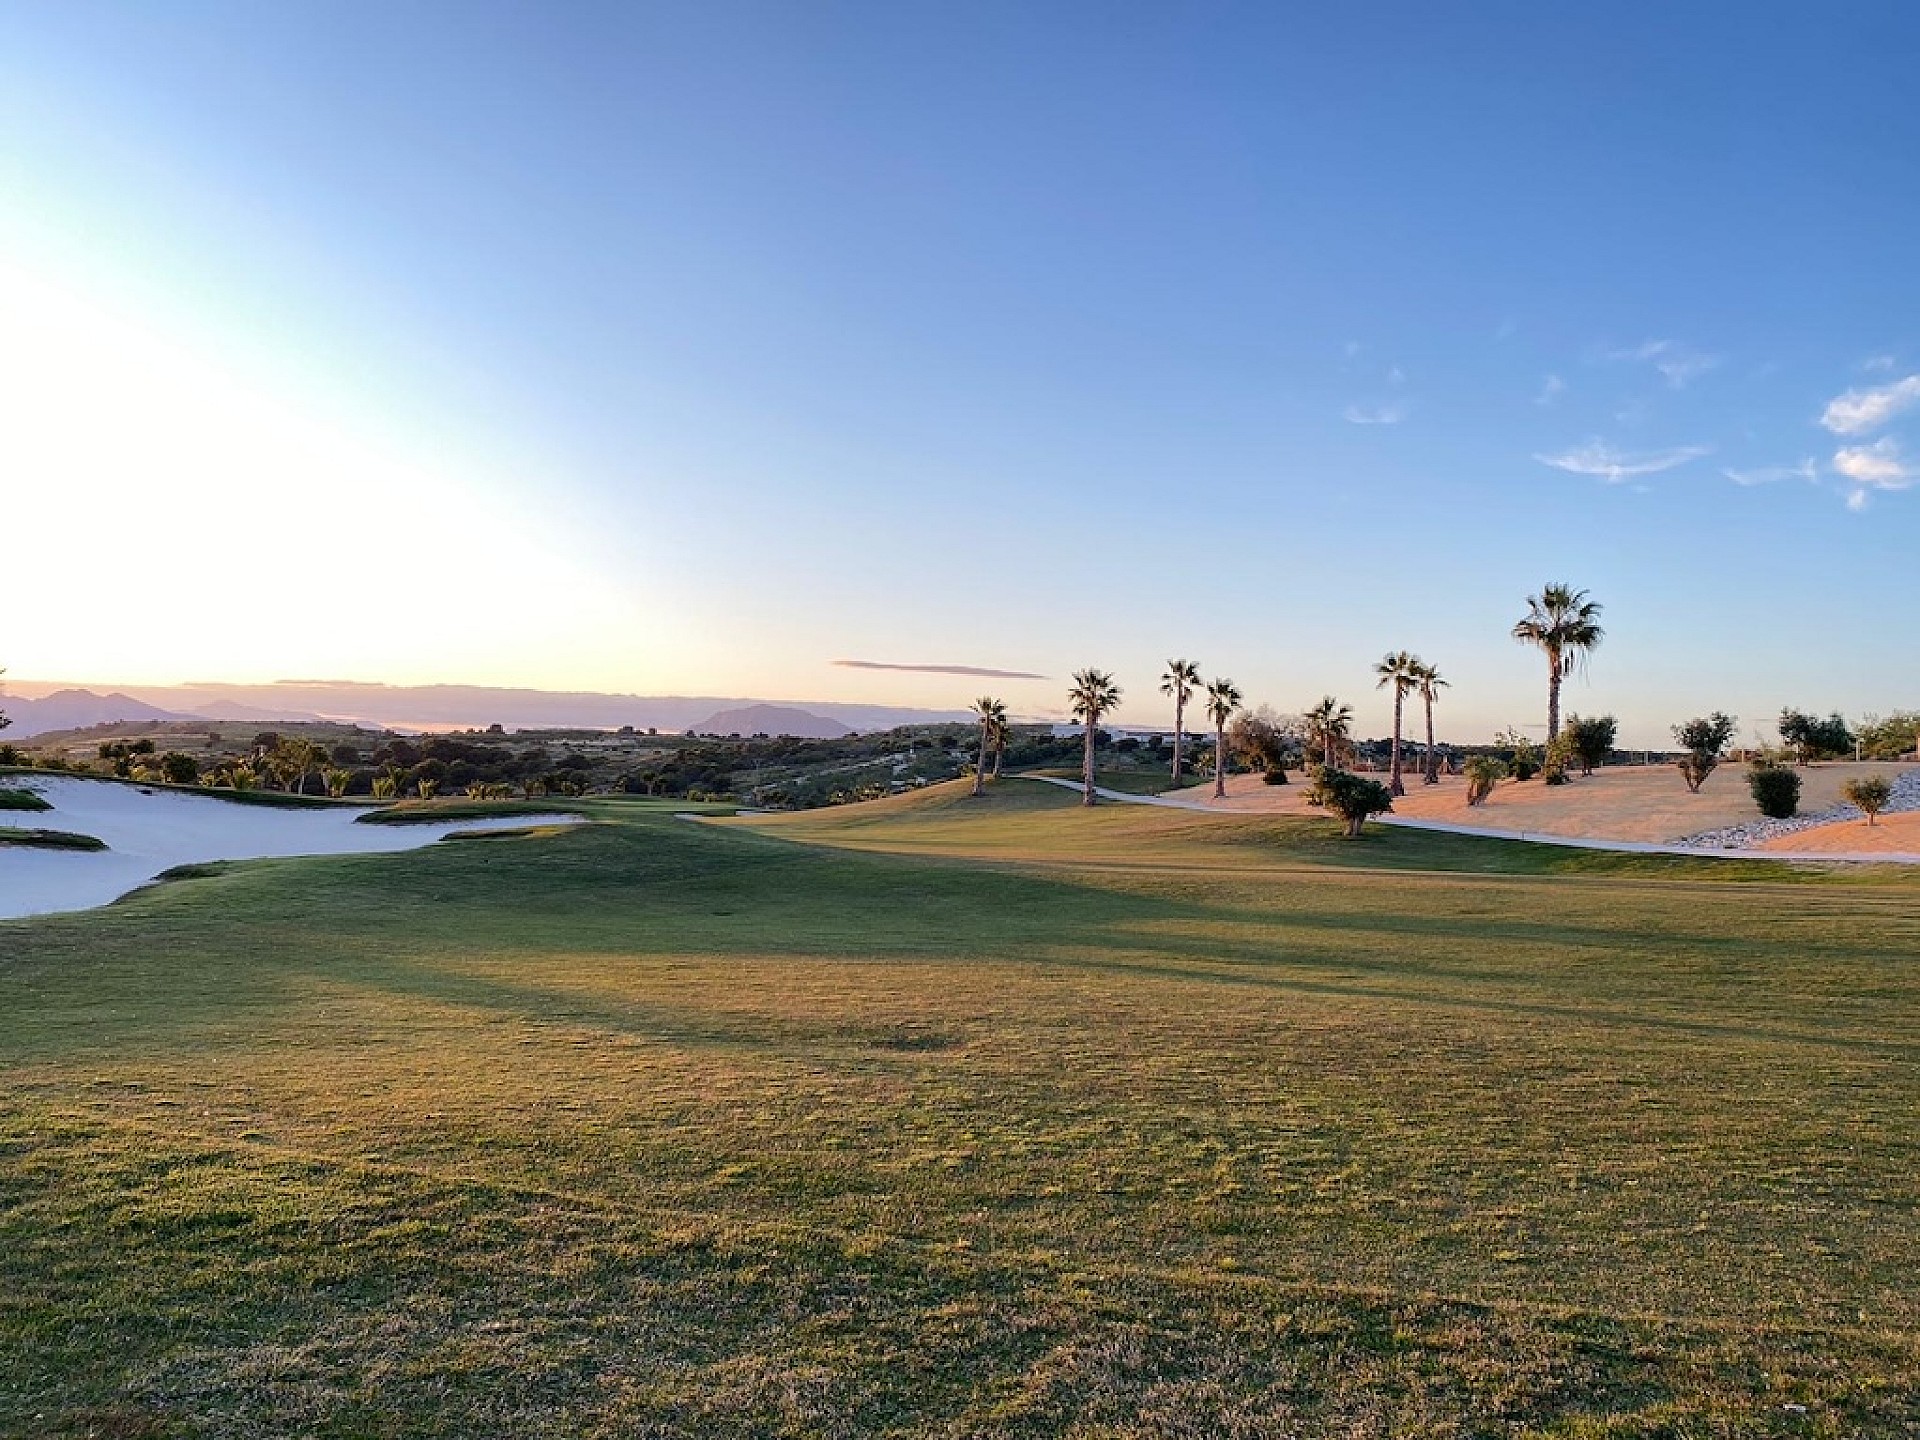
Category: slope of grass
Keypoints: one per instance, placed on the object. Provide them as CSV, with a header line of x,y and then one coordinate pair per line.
x,y
11,799
50,839
964,1118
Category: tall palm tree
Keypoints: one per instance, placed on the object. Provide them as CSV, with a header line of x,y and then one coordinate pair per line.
x,y
1565,625
1002,732
1222,700
1328,725
1401,670
1430,685
1180,681
993,716
1092,696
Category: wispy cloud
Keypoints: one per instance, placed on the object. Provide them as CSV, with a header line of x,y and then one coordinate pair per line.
x,y
1773,474
1551,389
1877,362
1599,459
1879,466
1396,376
942,670
1859,411
1390,414
1677,363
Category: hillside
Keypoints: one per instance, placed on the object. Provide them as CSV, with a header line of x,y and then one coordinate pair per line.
x,y
771,720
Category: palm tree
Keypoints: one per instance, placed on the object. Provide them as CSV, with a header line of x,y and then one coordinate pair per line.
x,y
1092,696
1002,732
1180,681
993,717
1222,700
1328,725
1430,682
1401,670
1564,624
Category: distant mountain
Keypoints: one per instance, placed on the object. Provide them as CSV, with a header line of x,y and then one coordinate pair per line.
x,y
75,710
465,707
772,720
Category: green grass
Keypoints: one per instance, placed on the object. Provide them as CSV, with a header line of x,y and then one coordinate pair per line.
x,y
23,800
424,812
949,1117
50,839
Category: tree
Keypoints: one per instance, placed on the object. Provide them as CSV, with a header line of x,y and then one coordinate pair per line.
x,y
1352,797
1180,681
1591,739
1223,698
1430,686
1704,738
1329,724
179,768
1262,738
1890,738
1002,733
1565,626
1092,696
1402,671
1871,793
992,714
1811,738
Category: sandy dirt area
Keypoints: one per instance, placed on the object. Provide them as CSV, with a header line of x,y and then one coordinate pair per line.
x,y
1892,835
1644,803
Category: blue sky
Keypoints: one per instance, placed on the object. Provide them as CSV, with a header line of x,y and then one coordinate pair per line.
x,y
693,348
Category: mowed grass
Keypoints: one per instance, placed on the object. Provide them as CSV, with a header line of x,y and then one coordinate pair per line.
x,y
951,1117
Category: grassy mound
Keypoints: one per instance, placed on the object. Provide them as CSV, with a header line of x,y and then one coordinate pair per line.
x,y
940,1116
23,800
50,839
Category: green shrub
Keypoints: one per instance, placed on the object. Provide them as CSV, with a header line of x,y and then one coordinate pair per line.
x,y
1483,772
1776,790
1352,797
1704,738
1870,793
1274,776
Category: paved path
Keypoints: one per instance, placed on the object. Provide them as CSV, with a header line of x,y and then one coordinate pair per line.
x,y
1630,847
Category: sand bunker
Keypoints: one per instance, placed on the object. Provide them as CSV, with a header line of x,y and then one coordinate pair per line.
x,y
151,831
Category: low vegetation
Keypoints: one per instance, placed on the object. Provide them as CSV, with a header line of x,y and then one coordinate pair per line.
x,y
14,799
1704,739
49,839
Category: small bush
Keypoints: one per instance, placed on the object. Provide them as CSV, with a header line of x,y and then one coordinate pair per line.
x,y
1483,772
1870,793
1352,797
1776,790
1274,776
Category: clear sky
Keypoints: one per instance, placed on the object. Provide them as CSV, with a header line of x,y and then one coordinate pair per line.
x,y
693,348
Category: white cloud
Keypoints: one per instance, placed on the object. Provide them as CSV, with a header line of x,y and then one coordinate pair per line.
x,y
1374,414
1769,474
1674,361
1550,390
1596,458
1859,411
1878,466
1396,376
1877,362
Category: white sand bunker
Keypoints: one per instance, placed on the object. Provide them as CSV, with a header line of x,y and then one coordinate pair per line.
x,y
151,831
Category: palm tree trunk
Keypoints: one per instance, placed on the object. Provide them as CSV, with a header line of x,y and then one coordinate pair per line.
x,y
1433,761
1395,787
1553,696
980,765
1220,762
1179,720
1086,767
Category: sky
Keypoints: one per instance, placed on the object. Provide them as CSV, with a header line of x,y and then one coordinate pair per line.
x,y
701,348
